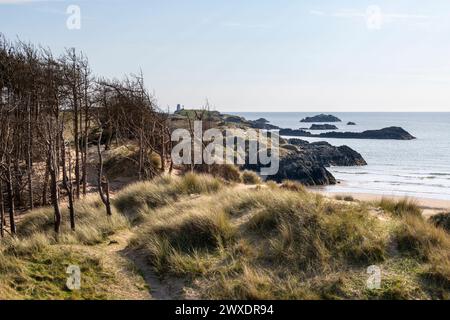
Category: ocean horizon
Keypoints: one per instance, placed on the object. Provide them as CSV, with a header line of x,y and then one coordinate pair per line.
x,y
416,168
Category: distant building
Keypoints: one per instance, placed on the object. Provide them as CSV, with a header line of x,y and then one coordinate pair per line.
x,y
179,108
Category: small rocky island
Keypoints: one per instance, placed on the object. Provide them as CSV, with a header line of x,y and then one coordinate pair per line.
x,y
322,118
390,133
323,127
351,123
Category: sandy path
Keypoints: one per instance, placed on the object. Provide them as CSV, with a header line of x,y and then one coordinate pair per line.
x,y
158,289
137,281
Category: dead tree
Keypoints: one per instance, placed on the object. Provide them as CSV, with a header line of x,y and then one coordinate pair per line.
x,y
2,211
66,163
102,180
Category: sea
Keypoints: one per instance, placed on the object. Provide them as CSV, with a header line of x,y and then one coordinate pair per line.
x,y
417,168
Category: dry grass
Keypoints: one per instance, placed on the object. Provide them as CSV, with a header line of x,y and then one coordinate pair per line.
x,y
92,224
250,177
347,198
273,242
419,238
293,186
162,191
123,161
33,269
259,244
401,207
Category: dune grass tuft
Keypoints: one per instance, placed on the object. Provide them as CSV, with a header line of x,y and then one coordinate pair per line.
x,y
250,177
175,242
423,240
163,190
401,207
293,186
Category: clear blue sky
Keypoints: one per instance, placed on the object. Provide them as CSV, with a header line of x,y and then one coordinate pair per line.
x,y
259,55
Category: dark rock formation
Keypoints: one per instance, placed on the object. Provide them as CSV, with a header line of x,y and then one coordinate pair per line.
x,y
351,123
298,142
321,118
263,126
392,133
306,162
323,127
329,155
295,133
234,119
304,168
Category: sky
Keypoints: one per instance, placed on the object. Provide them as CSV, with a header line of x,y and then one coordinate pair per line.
x,y
257,55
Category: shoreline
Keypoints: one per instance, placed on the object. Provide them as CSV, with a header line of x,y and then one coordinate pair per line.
x,y
429,206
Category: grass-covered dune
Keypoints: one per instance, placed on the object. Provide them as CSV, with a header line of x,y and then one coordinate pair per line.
x,y
231,241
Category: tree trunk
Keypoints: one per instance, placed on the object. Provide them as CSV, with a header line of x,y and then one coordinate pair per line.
x,y
67,183
54,192
2,211
86,150
30,162
100,178
45,185
10,192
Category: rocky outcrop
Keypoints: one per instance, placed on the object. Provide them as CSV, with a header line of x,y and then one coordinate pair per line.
x,y
323,127
351,123
263,126
391,133
234,119
329,155
322,118
262,120
306,162
295,133
304,168
298,142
